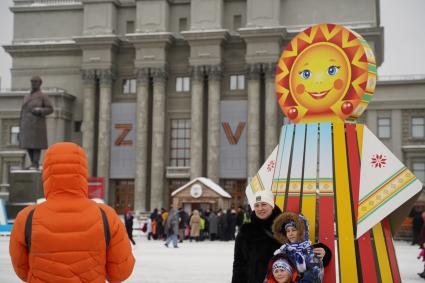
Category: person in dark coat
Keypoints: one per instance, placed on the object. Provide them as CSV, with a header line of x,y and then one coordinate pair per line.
x,y
231,224
213,226
222,225
183,221
160,221
422,242
32,124
255,244
417,223
239,218
172,228
128,220
154,217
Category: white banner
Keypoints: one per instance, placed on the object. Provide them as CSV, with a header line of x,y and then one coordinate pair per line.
x,y
123,141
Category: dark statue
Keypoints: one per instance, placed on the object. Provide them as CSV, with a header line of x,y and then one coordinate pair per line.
x,y
33,132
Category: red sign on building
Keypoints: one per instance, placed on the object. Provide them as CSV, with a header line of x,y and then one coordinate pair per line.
x,y
96,187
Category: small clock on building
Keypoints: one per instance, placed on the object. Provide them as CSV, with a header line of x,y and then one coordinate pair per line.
x,y
196,191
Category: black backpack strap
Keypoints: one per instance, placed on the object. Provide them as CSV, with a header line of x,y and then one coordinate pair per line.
x,y
106,227
28,229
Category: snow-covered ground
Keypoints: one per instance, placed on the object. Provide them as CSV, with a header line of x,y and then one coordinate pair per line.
x,y
205,262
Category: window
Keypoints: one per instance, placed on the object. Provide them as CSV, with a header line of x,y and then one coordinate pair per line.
x,y
130,27
129,86
182,84
418,127
237,82
237,22
180,143
14,132
419,170
77,126
182,24
384,128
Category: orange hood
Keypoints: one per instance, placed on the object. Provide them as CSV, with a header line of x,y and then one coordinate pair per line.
x,y
65,171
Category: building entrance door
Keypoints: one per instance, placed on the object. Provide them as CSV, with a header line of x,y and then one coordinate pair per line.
x,y
124,195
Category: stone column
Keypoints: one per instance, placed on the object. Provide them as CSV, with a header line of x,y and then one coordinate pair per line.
x,y
87,127
397,133
142,105
213,148
253,127
271,105
104,142
196,122
158,129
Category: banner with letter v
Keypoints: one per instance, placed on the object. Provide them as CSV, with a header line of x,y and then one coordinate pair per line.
x,y
233,139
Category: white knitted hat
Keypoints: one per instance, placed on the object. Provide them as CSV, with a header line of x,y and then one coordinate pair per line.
x,y
282,264
264,196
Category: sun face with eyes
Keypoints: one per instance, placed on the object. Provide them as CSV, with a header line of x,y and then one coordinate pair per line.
x,y
326,73
320,76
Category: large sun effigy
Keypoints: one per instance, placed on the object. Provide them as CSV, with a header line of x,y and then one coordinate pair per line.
x,y
329,168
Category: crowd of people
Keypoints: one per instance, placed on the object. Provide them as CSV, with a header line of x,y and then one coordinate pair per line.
x,y
178,225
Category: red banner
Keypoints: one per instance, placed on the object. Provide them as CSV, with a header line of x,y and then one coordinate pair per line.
x,y
96,187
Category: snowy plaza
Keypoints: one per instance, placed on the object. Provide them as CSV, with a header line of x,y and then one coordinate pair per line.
x,y
299,125
206,262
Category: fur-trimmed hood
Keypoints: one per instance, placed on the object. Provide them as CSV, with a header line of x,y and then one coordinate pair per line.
x,y
282,219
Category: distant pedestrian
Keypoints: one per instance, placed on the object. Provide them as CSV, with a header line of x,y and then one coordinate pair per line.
x,y
231,224
154,214
213,225
222,226
160,221
417,223
149,227
239,218
201,227
195,225
128,219
183,221
206,233
172,228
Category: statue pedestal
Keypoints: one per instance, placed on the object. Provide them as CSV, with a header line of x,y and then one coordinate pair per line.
x,y
26,186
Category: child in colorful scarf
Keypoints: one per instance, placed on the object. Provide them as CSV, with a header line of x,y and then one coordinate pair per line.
x,y
292,231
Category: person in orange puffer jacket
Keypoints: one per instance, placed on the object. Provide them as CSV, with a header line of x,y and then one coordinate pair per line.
x,y
68,241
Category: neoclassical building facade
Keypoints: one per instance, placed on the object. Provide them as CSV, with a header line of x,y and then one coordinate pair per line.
x,y
159,92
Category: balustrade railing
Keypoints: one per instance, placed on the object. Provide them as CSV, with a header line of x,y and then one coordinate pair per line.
x,y
55,2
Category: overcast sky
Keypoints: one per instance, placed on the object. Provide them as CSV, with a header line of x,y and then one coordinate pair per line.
x,y
403,22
